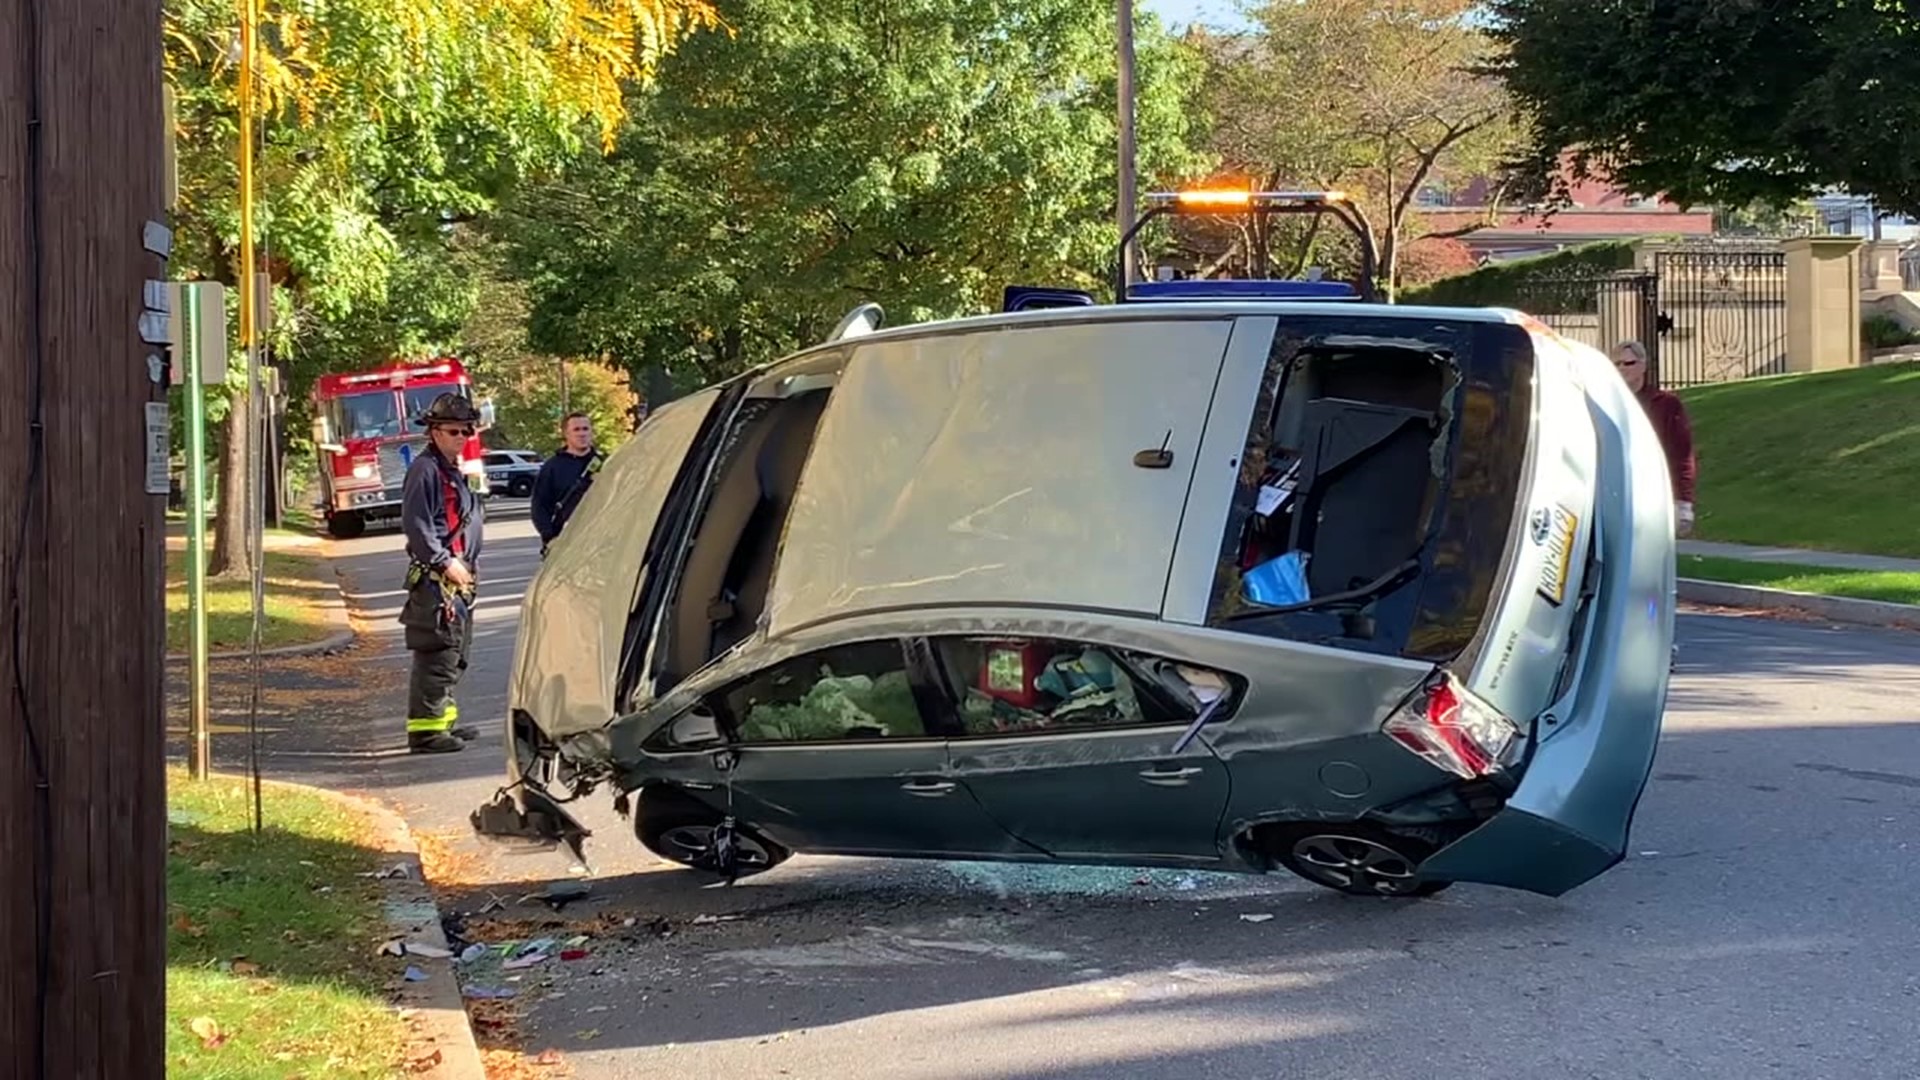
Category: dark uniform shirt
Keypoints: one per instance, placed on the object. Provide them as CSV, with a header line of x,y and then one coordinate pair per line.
x,y
434,499
556,491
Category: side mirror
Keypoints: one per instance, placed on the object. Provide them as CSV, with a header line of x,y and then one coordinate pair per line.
x,y
696,727
486,413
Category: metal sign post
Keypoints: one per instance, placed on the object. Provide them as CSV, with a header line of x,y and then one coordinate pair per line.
x,y
199,759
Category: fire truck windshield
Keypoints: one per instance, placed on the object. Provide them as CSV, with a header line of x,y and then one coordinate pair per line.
x,y
369,415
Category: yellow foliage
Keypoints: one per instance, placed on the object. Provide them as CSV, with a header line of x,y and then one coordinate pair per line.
x,y
572,56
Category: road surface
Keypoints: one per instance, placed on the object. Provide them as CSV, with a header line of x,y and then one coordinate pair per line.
x,y
1765,924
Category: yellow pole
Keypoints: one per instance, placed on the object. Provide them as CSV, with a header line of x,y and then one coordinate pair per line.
x,y
247,46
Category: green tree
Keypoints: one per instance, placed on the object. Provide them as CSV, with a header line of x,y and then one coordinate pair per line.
x,y
532,391
921,154
1727,102
1377,98
385,122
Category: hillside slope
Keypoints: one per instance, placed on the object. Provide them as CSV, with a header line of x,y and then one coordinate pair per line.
x,y
1828,461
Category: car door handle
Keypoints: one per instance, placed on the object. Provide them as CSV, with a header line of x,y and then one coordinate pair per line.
x,y
928,789
1169,777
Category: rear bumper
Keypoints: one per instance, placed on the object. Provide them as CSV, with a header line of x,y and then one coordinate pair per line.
x,y
1569,819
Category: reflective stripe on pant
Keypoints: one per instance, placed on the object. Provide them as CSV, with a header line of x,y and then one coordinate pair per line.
x,y
436,672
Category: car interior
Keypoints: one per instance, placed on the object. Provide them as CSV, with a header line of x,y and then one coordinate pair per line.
x,y
729,567
1343,470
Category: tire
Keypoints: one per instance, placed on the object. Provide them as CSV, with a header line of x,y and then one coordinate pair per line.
x,y
346,525
679,829
1357,858
520,487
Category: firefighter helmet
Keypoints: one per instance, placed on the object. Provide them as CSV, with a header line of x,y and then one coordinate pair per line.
x,y
450,408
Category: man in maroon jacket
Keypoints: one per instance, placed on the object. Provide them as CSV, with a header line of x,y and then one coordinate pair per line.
x,y
1670,421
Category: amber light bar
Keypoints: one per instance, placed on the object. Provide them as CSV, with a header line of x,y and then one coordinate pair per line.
x,y
1218,197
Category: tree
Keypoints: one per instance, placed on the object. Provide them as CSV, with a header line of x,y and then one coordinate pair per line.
x,y
525,385
919,154
1726,102
386,121
1378,98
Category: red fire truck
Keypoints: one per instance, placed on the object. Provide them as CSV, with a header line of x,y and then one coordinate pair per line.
x,y
365,436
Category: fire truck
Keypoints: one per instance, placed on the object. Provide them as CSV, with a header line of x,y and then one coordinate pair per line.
x,y
365,435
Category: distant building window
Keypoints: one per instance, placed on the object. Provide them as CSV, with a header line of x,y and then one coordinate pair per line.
x,y
1433,195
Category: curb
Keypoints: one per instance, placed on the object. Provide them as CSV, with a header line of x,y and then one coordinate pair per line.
x,y
1831,608
442,1033
342,636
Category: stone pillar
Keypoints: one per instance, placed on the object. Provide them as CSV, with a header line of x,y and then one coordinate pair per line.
x,y
1880,270
1623,312
1823,303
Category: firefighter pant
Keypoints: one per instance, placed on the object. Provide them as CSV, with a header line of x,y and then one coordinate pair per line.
x,y
439,659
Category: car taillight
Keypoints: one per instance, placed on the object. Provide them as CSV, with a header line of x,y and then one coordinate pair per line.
x,y
1453,729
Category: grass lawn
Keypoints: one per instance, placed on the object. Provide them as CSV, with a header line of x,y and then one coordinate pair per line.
x,y
1824,461
1891,586
271,966
296,594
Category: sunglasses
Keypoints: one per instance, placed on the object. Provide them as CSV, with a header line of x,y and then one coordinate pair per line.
x,y
463,432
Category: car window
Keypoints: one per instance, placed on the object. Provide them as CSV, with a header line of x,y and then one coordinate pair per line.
x,y
1013,685
497,459
852,692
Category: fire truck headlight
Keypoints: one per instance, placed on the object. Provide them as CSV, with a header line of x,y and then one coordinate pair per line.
x,y
363,471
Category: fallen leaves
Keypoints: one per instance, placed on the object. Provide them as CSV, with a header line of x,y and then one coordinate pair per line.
x,y
207,1030
513,1065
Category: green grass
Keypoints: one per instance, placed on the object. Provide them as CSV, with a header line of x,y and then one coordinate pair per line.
x,y
271,969
1828,462
294,604
1892,586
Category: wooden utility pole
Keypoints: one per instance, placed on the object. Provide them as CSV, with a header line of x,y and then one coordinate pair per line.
x,y
83,825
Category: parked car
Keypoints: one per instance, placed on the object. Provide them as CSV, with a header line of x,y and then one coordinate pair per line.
x,y
512,471
1380,595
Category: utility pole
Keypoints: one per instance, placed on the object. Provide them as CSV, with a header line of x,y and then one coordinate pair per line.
x,y
1128,199
83,828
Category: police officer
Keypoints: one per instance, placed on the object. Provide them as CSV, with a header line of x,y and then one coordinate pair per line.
x,y
440,513
564,478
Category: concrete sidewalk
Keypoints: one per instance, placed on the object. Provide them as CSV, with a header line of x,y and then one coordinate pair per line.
x,y
1799,557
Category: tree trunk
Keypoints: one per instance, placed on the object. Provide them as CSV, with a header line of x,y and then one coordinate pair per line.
x,y
229,516
82,736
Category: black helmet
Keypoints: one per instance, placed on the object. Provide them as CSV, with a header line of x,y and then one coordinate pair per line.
x,y
450,408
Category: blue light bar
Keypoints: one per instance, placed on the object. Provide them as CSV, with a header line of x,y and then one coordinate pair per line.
x,y
1241,290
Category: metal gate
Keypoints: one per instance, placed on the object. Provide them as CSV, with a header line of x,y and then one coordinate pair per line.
x,y
1722,314
1601,310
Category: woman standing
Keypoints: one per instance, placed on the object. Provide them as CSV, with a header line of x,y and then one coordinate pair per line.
x,y
1670,422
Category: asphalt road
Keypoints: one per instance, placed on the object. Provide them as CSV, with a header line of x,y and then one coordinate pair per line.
x,y
1765,924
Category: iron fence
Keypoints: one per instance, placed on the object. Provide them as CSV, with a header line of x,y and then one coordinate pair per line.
x,y
1722,314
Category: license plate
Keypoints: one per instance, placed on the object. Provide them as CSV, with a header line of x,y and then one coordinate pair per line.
x,y
1557,534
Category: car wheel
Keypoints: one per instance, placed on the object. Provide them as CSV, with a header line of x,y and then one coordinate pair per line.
x,y
679,829
1358,859
346,526
519,487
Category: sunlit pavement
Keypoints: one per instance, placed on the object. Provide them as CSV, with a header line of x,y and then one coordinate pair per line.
x,y
1763,926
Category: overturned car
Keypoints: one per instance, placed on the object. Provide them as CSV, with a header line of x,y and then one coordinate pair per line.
x,y
1381,595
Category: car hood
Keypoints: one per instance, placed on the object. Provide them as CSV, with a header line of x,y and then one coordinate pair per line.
x,y
573,624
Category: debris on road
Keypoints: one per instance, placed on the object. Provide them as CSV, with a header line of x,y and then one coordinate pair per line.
x,y
1255,918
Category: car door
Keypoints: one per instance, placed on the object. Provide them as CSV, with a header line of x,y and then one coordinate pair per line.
x,y
1071,747
843,751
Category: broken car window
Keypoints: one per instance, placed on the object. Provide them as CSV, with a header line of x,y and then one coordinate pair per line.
x,y
854,692
1024,685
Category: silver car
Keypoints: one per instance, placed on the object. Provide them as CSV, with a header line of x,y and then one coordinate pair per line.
x,y
1380,595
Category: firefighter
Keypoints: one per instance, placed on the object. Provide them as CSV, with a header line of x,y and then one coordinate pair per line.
x,y
565,478
442,518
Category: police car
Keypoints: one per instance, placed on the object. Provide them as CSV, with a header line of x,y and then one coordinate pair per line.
x,y
512,472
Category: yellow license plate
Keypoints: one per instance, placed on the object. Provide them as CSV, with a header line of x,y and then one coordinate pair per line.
x,y
1558,566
